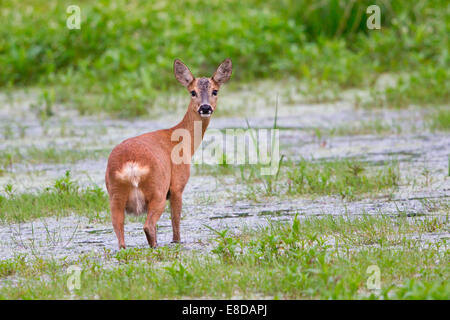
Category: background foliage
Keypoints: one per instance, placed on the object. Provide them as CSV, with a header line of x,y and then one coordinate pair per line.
x,y
123,54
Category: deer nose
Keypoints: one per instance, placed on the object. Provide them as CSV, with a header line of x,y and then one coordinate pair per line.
x,y
205,110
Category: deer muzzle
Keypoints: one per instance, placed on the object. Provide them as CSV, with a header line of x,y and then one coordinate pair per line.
x,y
205,110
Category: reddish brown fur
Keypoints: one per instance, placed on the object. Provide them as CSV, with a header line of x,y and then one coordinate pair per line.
x,y
140,173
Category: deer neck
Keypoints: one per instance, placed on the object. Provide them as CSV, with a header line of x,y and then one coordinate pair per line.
x,y
196,125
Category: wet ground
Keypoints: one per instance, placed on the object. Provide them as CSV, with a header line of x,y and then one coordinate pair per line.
x,y
210,200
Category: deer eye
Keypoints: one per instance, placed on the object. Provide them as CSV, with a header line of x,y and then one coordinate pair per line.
x,y
193,93
214,92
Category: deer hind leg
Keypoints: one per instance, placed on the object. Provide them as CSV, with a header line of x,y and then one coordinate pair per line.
x,y
117,206
155,210
175,210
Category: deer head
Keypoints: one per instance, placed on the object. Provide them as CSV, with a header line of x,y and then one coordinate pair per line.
x,y
203,91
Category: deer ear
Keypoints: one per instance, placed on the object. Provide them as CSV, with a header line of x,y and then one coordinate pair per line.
x,y
223,72
182,73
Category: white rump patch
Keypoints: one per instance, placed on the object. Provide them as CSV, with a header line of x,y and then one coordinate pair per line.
x,y
132,172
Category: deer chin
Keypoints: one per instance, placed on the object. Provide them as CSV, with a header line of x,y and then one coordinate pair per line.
x,y
205,115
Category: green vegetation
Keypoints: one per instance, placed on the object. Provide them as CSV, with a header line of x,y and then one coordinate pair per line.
x,y
349,179
376,126
428,86
122,56
65,197
49,154
440,120
344,178
327,258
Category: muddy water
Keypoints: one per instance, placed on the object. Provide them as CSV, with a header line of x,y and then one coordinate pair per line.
x,y
422,157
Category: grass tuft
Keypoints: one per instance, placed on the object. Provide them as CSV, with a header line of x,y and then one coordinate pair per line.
x,y
63,198
345,178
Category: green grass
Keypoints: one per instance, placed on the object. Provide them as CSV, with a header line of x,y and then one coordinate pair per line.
x,y
440,120
348,179
376,127
428,86
63,198
49,154
309,258
122,57
343,177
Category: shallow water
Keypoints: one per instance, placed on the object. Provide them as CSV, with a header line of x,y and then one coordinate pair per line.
x,y
206,197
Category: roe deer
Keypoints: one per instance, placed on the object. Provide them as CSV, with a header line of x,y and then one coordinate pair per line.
x,y
141,174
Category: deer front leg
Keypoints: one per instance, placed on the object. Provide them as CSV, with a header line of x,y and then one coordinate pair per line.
x,y
175,211
118,217
155,210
